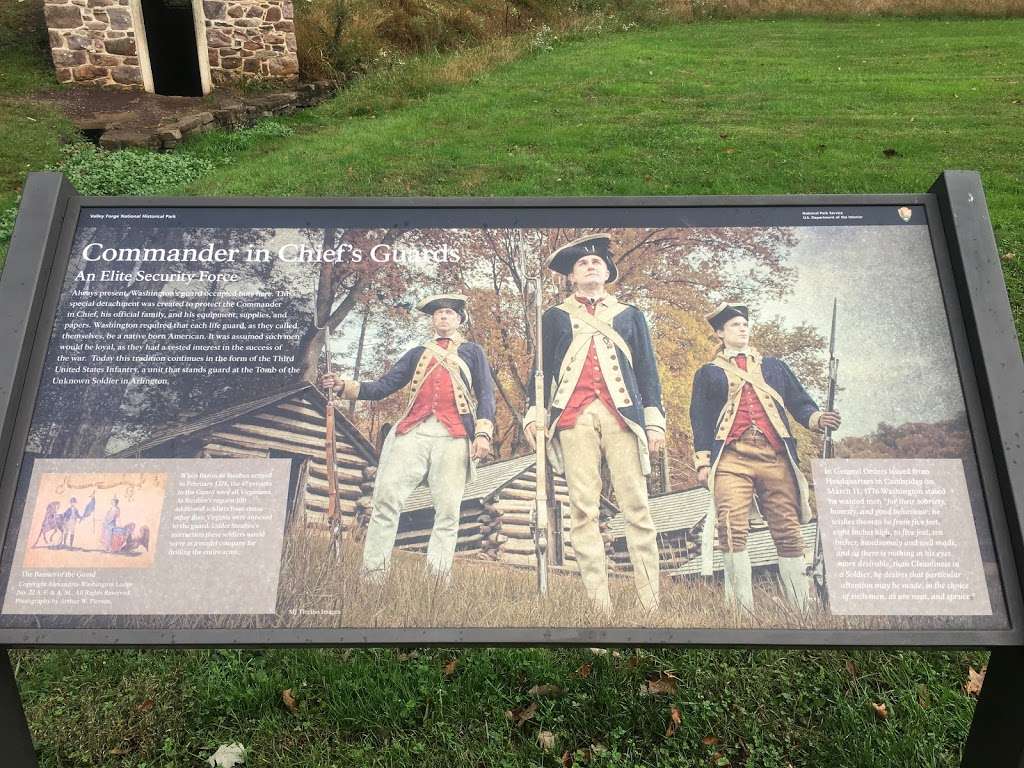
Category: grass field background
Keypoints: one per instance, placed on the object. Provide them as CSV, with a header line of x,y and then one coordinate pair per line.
x,y
739,107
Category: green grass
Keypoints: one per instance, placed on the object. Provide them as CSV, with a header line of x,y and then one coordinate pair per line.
x,y
722,108
725,108
31,131
766,709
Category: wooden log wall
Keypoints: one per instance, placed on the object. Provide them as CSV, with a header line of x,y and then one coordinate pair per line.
x,y
505,523
296,427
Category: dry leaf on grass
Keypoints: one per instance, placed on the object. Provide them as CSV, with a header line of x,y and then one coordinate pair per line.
x,y
289,701
662,685
851,669
675,720
585,670
548,689
710,741
881,711
1009,256
546,740
520,715
146,705
450,667
975,680
567,759
599,651
227,756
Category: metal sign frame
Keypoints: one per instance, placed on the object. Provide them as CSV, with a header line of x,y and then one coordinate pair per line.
x,y
980,325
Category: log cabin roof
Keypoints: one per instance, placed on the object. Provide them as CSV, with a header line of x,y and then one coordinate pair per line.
x,y
759,545
297,389
489,478
671,512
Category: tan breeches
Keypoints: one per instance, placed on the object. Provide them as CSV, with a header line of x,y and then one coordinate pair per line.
x,y
747,466
598,433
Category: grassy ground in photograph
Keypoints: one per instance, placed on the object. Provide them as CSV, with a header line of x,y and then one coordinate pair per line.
x,y
717,108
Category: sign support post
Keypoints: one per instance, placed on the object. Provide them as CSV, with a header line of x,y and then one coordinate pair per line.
x,y
14,734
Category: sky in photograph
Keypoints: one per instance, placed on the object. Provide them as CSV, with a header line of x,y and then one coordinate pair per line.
x,y
896,360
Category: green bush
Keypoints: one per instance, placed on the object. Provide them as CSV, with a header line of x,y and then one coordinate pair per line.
x,y
96,171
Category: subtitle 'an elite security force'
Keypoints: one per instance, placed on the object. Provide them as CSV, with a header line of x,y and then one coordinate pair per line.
x,y
602,406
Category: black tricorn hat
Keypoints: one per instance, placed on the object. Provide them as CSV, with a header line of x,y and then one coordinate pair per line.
x,y
725,312
431,304
563,258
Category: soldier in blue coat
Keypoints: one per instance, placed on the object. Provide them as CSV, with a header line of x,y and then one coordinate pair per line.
x,y
603,400
744,446
446,427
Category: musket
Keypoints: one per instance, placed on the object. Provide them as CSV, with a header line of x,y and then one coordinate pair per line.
x,y
539,518
827,452
331,460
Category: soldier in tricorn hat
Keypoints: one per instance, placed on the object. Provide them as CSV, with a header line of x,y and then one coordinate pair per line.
x,y
447,425
743,446
604,402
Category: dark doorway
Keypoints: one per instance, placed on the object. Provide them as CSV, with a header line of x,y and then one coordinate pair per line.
x,y
173,55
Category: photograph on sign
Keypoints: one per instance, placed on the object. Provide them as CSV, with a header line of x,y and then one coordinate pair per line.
x,y
729,417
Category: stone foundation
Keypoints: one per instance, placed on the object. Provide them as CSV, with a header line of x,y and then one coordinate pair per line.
x,y
94,41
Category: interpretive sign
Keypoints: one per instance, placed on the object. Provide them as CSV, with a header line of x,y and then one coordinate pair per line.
x,y
786,420
674,420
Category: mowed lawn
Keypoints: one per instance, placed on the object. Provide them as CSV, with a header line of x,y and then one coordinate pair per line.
x,y
723,108
726,108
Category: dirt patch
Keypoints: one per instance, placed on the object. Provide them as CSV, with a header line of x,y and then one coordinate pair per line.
x,y
117,119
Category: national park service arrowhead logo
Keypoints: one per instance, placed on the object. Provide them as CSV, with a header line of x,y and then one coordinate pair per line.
x,y
905,213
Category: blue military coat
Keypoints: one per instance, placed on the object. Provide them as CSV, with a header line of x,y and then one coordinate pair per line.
x,y
630,373
477,414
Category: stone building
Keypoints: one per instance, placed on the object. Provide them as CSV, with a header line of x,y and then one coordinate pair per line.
x,y
175,47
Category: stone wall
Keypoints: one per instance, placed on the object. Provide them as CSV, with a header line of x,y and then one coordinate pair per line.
x,y
250,39
93,41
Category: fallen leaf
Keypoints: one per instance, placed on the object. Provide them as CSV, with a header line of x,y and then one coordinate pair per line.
x,y
720,761
146,705
675,720
662,685
520,715
450,667
1008,256
599,651
407,656
710,741
119,751
616,655
585,670
881,711
924,698
548,689
890,152
289,701
546,740
975,680
227,756
567,760
851,669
